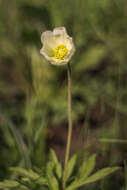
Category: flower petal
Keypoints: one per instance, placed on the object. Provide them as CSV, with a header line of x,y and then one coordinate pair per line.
x,y
68,43
46,56
47,38
58,63
69,55
47,49
60,31
60,34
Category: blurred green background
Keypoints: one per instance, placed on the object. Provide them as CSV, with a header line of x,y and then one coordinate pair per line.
x,y
33,93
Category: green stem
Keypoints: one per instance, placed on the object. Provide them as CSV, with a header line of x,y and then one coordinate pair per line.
x,y
69,127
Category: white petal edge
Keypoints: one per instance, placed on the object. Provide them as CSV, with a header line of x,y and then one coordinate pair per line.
x,y
42,52
60,31
46,35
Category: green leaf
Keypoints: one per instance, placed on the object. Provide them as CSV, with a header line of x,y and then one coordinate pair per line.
x,y
57,165
73,185
29,175
87,167
71,165
41,181
97,176
25,173
50,168
53,156
24,188
9,184
59,170
25,179
52,181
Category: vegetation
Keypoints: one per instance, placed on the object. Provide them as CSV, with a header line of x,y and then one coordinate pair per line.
x,y
33,93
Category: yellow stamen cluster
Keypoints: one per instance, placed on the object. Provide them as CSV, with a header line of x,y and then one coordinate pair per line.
x,y
60,51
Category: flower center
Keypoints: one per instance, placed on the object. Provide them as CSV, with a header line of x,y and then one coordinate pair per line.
x,y
60,51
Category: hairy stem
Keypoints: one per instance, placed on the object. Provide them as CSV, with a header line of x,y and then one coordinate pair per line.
x,y
69,127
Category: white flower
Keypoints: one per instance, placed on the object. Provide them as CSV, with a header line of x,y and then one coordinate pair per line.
x,y
58,47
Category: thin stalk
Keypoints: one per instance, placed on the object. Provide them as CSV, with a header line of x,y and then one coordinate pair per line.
x,y
69,127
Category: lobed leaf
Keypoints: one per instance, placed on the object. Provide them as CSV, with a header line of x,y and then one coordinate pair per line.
x,y
53,156
9,184
25,173
71,165
59,170
57,166
52,181
97,176
29,175
87,167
